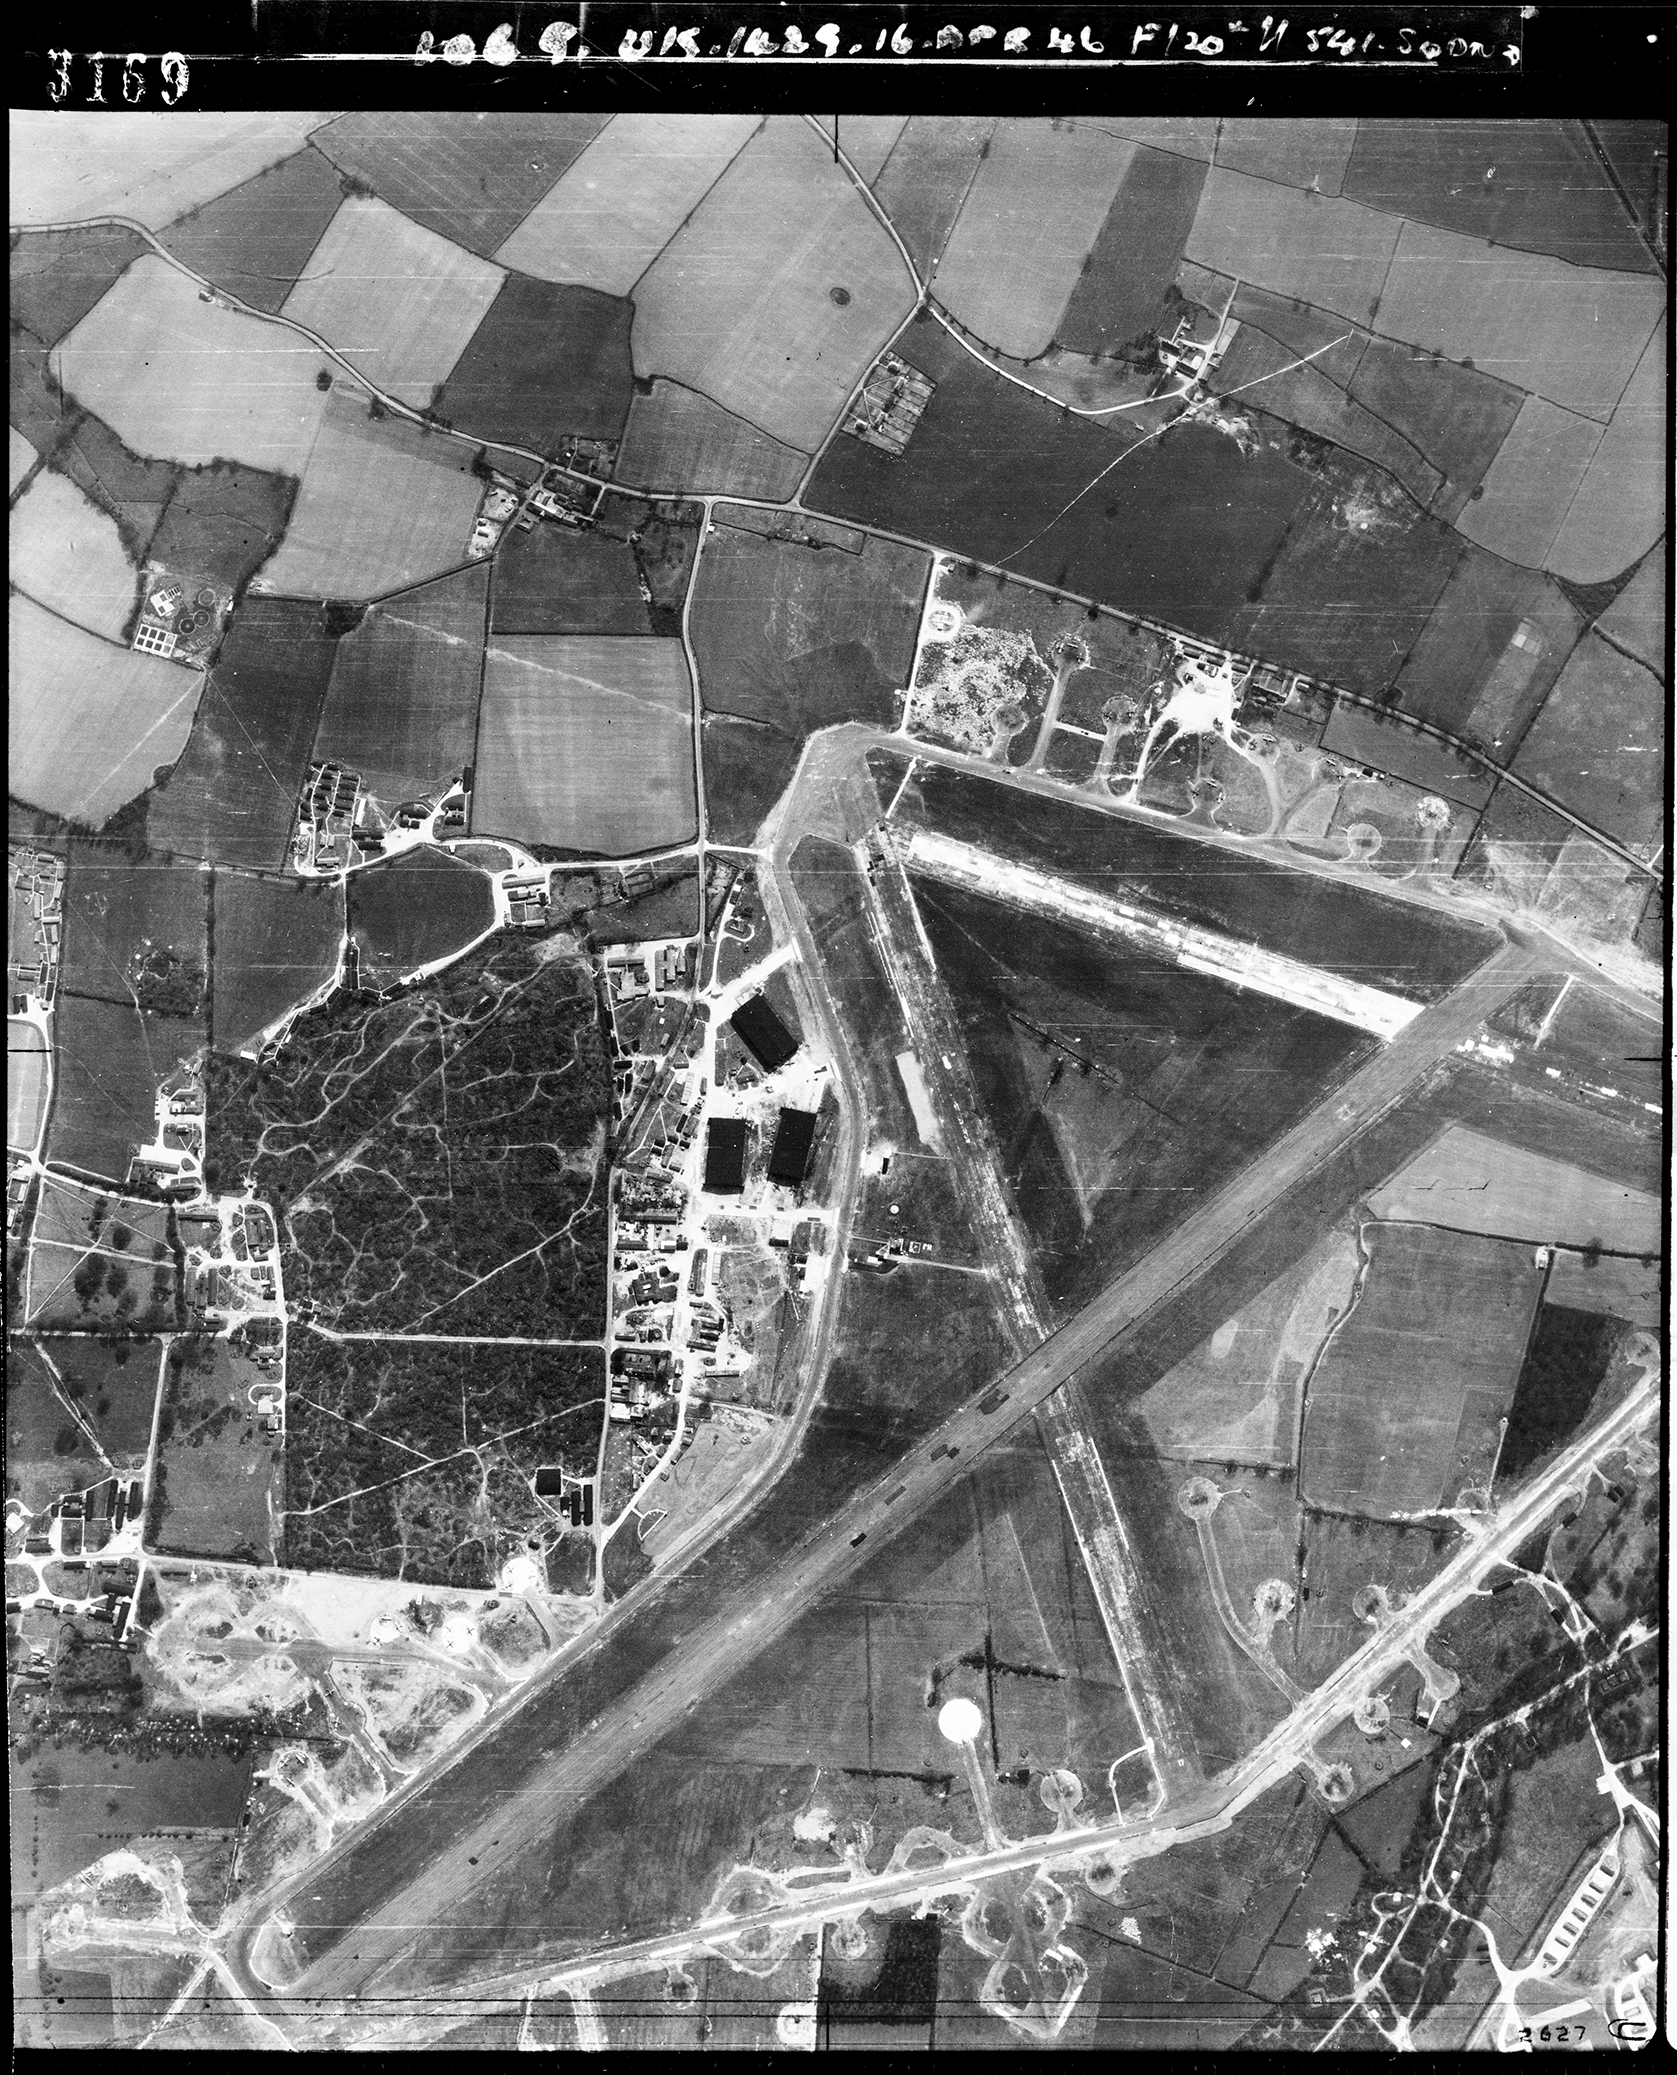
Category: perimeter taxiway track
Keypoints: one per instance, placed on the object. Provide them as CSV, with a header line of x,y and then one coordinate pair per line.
x,y
360,1913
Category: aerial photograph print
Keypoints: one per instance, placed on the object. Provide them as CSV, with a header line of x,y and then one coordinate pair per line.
x,y
837,1061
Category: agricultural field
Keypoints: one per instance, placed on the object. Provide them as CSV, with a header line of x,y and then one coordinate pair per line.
x,y
1611,1285
91,722
1637,620
1545,190
1531,483
1431,1350
795,639
1000,278
232,795
677,440
135,932
1123,292
1236,1397
68,556
277,941
1570,1356
1619,511
58,276
669,910
48,1450
382,505
749,315
21,457
223,521
151,166
1308,150
417,1462
925,180
465,1211
585,743
1348,929
1598,746
549,360
215,1487
557,580
108,1059
1119,1092
1482,1185
1323,251
113,1387
1364,735
665,537
1571,334
139,358
28,1082
1457,416
398,301
616,207
98,1277
420,909
1494,645
254,240
467,180
401,708
133,492
747,766
1515,847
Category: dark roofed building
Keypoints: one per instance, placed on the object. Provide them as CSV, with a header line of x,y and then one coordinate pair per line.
x,y
725,1139
762,1033
794,1135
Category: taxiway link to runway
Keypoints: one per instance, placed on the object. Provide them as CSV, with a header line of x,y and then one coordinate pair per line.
x,y
1204,1810
373,1944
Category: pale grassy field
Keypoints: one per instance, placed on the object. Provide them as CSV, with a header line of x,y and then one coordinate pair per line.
x,y
26,1084
89,722
1619,511
20,459
867,141
617,206
677,439
1572,334
1528,487
398,301
69,164
1033,211
738,305
1470,1183
1295,152
67,554
1189,136
585,741
1325,251
188,381
381,505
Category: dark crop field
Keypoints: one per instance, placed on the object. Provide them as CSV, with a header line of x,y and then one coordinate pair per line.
x,y
1121,297
468,180
1548,191
255,240
1456,415
793,639
1569,1355
276,942
1598,744
1402,1413
679,441
556,580
923,183
422,906
1121,1094
1343,929
135,926
233,793
549,360
402,705
224,521
57,276
664,534
1182,528
108,1059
